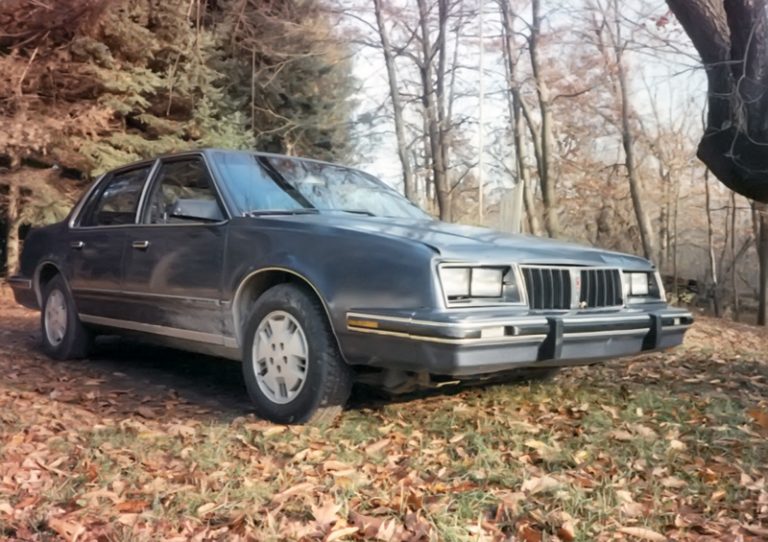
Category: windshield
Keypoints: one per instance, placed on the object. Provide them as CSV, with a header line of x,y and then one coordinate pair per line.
x,y
264,185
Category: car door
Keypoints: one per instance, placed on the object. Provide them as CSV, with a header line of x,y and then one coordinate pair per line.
x,y
173,263
97,242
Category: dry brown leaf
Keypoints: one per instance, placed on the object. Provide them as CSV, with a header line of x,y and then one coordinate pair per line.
x,y
377,446
338,534
673,482
132,506
68,530
145,412
298,489
643,534
621,435
205,509
760,417
274,430
537,485
325,514
756,530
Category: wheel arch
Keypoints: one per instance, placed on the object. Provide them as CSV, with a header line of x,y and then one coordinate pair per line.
x,y
255,283
45,272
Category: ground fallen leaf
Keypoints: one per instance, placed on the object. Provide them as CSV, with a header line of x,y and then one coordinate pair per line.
x,y
274,430
145,412
760,416
132,506
537,485
298,489
621,435
676,445
377,446
68,530
338,534
325,514
673,482
369,526
756,530
643,534
205,508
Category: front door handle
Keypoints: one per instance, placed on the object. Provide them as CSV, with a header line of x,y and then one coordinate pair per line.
x,y
77,245
140,245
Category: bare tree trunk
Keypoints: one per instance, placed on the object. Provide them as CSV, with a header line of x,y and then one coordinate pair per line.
x,y
627,140
675,224
734,284
548,189
431,87
711,246
762,252
409,185
12,236
518,120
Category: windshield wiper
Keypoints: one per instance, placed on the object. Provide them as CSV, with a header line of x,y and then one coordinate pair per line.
x,y
354,211
276,212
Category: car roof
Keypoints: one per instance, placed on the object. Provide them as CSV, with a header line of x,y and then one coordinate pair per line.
x,y
210,150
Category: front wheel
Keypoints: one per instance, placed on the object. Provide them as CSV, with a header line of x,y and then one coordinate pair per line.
x,y
291,365
64,336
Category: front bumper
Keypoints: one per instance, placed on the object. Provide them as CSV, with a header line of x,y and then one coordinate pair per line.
x,y
469,344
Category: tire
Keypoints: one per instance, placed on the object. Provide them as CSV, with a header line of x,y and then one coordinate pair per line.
x,y
64,336
292,367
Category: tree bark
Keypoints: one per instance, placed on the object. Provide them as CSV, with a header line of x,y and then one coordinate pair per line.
x,y
409,185
731,37
548,189
762,252
12,248
628,142
518,120
432,86
711,246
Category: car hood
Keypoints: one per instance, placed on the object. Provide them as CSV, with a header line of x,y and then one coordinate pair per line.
x,y
459,242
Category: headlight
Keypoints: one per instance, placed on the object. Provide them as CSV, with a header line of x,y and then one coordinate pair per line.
x,y
486,282
455,281
638,284
642,284
464,284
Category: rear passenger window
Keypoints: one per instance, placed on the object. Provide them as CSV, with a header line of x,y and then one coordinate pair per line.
x,y
116,203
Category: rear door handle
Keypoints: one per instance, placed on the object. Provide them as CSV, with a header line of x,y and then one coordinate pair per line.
x,y
77,245
140,245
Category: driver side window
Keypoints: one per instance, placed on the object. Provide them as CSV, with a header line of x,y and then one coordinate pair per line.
x,y
183,193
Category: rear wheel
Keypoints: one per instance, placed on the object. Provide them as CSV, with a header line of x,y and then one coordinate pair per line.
x,y
64,336
292,366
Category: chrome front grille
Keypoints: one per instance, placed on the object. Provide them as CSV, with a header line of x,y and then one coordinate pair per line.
x,y
565,288
600,288
548,287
